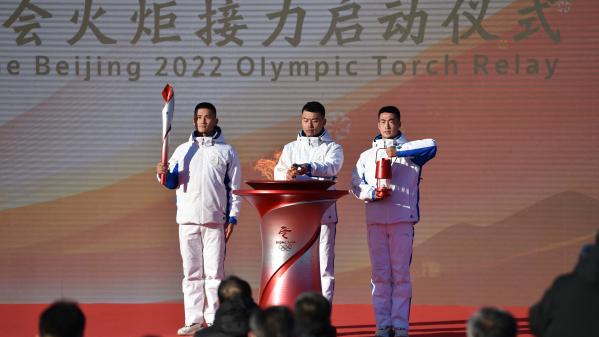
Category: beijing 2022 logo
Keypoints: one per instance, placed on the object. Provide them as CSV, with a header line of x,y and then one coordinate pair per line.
x,y
285,245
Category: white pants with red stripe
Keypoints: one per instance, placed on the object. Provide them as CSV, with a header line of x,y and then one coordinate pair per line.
x,y
203,252
390,248
327,259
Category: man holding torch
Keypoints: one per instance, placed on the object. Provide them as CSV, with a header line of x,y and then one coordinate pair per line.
x,y
314,155
204,171
387,178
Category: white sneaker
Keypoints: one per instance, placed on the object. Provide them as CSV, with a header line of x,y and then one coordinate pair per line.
x,y
189,329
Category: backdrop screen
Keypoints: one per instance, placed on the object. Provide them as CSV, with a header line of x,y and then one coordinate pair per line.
x,y
509,90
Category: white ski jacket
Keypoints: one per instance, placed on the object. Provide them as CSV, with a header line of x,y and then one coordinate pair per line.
x,y
324,156
402,204
205,171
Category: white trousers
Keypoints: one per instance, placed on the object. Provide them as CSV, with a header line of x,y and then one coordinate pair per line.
x,y
327,259
390,248
203,252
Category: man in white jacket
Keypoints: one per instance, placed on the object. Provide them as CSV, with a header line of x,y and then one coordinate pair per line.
x,y
390,217
314,155
204,171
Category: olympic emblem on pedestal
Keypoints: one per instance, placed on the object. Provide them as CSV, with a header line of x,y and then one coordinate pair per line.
x,y
285,245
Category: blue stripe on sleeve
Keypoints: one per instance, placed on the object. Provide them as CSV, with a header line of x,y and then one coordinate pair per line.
x,y
172,178
419,156
227,181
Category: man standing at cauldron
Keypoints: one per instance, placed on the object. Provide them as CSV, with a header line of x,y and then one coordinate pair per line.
x,y
314,155
386,178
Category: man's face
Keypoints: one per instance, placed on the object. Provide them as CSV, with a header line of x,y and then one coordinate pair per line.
x,y
388,125
312,123
205,121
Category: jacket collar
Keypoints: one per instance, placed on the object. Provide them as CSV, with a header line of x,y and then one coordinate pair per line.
x,y
217,137
378,142
314,141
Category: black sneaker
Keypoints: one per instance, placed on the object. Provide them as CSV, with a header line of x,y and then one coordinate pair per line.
x,y
400,332
384,332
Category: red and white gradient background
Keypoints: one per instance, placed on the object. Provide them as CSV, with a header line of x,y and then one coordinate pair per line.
x,y
506,205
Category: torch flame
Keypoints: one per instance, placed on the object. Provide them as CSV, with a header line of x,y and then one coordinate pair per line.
x,y
266,166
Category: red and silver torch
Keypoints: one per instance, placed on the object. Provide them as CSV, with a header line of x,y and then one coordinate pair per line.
x,y
167,118
383,177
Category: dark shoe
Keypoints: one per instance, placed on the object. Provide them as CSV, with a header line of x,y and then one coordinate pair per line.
x,y
400,332
384,332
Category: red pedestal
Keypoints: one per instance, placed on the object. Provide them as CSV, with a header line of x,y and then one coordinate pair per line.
x,y
290,212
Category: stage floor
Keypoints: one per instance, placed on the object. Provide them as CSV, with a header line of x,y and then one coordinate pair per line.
x,y
163,319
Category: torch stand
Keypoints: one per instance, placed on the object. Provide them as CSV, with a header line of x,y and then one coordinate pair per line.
x,y
291,212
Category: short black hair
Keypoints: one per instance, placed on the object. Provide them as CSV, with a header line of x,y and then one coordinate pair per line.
x,y
234,287
492,322
62,319
315,107
312,305
313,316
391,109
274,321
204,105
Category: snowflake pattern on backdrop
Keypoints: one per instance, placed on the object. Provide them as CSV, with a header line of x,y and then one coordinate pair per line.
x,y
564,6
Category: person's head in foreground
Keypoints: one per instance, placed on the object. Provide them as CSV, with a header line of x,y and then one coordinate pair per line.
x,y
234,287
313,316
492,322
275,321
62,319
